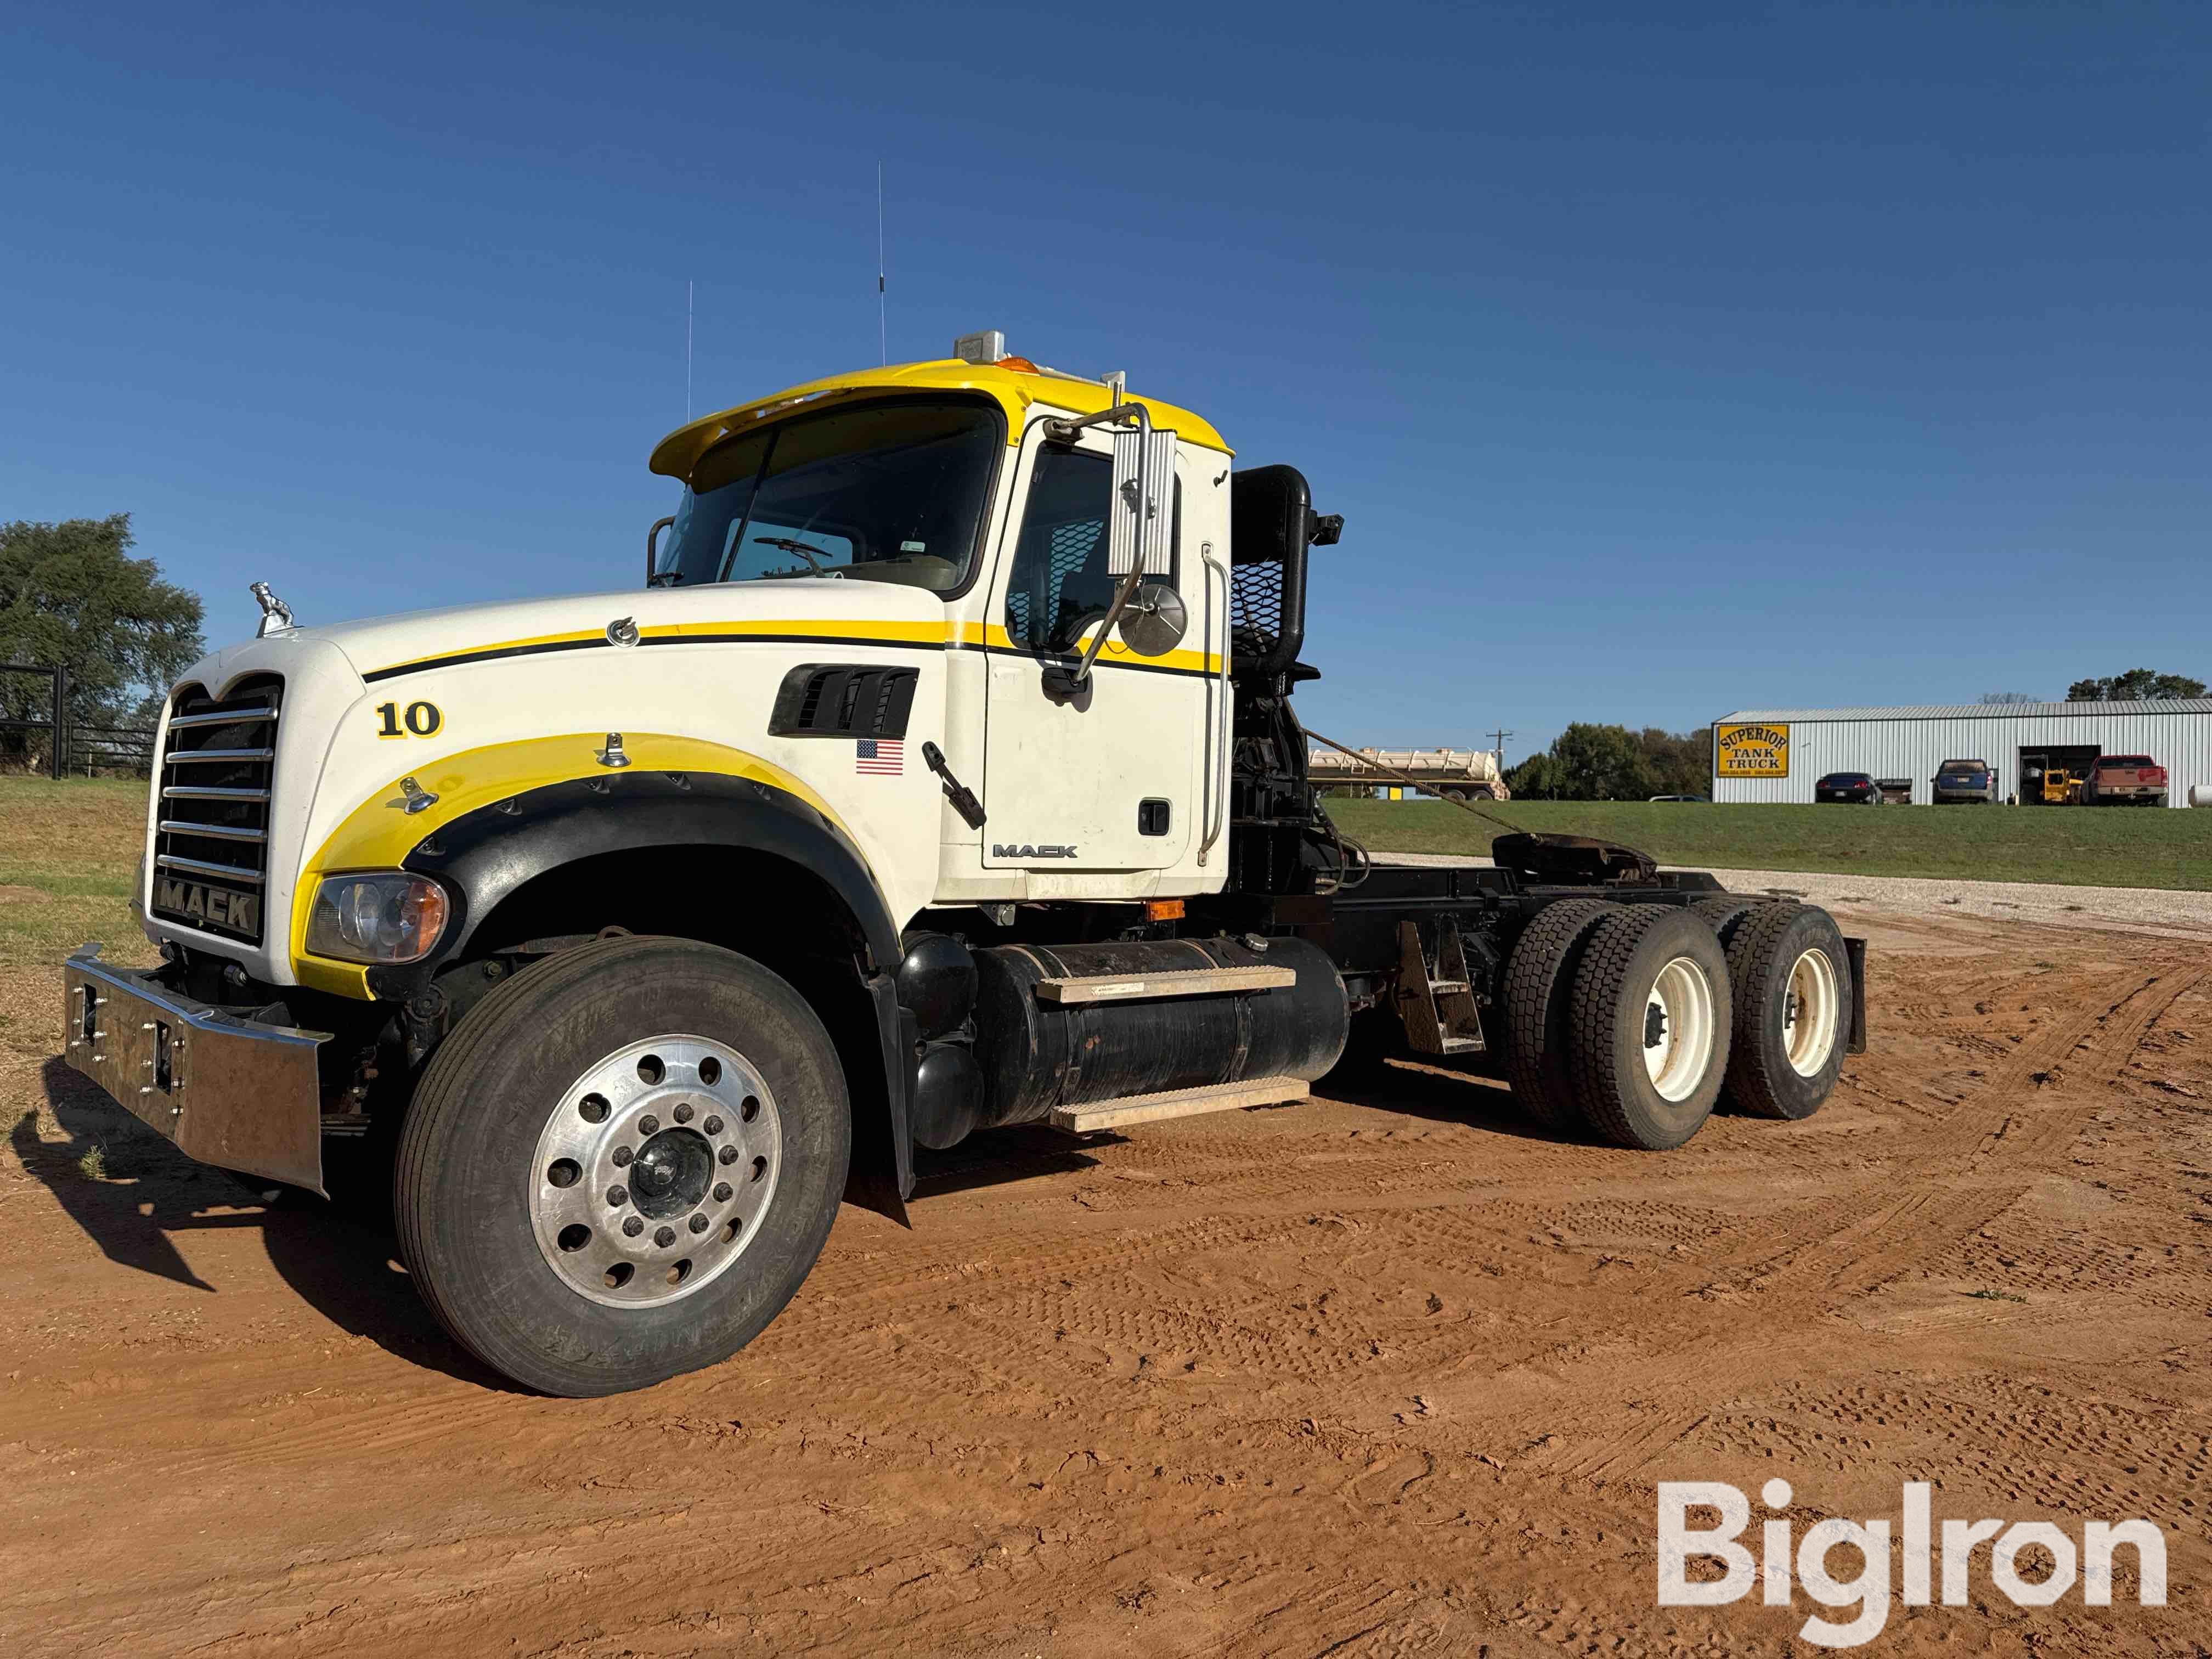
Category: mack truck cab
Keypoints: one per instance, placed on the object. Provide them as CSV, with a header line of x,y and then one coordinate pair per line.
x,y
940,775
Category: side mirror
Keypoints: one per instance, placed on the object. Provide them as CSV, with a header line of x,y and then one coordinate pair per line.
x,y
1141,513
1139,523
1154,621
652,546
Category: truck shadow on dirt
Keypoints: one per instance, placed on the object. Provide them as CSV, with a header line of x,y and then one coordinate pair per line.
x,y
1441,1094
139,1193
995,1158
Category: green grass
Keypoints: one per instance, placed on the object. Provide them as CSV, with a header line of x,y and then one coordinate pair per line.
x,y
2099,847
67,853
68,849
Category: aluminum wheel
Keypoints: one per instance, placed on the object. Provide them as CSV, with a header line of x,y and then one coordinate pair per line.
x,y
654,1170
1815,1012
1678,1030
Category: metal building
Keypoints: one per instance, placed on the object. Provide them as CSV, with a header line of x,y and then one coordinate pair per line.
x,y
1776,754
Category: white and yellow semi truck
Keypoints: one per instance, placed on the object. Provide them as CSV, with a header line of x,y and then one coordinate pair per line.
x,y
940,775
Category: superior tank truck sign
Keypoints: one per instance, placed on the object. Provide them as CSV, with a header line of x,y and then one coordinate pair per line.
x,y
1751,749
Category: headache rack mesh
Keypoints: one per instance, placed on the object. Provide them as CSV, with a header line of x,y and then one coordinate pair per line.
x,y
211,818
1255,609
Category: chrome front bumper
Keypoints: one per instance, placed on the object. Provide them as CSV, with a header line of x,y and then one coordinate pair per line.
x,y
227,1092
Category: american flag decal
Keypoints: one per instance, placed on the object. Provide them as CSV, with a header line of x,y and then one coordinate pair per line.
x,y
879,756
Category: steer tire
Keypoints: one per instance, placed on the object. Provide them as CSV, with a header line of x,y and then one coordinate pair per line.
x,y
1644,951
1774,1070
572,1047
1538,978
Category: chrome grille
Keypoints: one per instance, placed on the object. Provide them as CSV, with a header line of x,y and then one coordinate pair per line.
x,y
211,822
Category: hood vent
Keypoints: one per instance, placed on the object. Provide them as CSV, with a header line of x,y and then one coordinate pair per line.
x,y
843,700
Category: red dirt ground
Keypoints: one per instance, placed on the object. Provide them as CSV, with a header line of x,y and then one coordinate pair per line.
x,y
1390,1374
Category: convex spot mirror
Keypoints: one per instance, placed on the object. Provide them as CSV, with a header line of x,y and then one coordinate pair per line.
x,y
1154,621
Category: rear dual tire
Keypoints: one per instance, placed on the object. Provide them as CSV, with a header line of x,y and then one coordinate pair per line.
x,y
1792,993
1652,1016
1585,1048
1540,1035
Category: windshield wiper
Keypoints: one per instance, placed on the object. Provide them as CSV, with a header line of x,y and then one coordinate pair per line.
x,y
805,550
664,579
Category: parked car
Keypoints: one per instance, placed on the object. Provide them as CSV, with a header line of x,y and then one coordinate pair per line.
x,y
2125,780
1964,781
1856,787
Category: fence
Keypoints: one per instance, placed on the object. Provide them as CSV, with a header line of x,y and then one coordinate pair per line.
x,y
72,746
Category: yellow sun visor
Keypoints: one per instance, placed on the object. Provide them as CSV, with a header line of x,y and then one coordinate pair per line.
x,y
1016,390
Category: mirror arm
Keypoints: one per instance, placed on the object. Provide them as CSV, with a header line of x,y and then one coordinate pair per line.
x,y
653,545
1080,676
1080,672
1063,432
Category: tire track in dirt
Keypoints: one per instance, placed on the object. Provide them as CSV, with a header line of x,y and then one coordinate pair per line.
x,y
1871,1211
1690,1368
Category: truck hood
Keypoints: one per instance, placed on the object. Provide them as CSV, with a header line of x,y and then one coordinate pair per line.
x,y
829,608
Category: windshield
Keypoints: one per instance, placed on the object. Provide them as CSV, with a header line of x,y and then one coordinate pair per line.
x,y
885,492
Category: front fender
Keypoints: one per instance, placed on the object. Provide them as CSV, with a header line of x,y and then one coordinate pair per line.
x,y
485,856
488,854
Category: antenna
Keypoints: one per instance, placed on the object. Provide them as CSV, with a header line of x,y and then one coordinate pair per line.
x,y
883,327
687,288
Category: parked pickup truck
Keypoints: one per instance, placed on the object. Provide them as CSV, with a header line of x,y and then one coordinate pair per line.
x,y
1964,781
2125,780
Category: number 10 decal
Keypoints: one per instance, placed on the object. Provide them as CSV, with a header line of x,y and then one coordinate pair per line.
x,y
423,720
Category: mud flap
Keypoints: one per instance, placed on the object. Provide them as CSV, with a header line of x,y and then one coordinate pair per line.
x,y
1855,949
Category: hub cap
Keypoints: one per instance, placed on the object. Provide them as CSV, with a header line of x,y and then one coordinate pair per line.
x,y
1814,1015
654,1170
1678,1030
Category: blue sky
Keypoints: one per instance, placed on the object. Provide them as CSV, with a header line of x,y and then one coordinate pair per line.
x,y
1664,359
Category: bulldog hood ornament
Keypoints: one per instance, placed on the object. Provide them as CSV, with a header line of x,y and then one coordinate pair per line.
x,y
274,613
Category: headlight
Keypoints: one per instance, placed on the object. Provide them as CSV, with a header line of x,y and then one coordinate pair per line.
x,y
387,917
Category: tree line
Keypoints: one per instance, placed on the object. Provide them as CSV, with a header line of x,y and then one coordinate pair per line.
x,y
1610,763
72,597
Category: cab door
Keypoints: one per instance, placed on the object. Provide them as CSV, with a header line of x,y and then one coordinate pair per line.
x,y
1105,776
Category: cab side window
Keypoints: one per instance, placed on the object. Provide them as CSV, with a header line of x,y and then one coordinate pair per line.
x,y
1059,585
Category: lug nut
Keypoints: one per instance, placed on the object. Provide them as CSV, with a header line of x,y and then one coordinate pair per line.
x,y
648,1124
698,1224
622,1154
682,1114
665,1238
617,1196
722,1190
728,1155
632,1227
712,1126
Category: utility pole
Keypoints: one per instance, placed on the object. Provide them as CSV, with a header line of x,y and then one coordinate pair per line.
x,y
1501,734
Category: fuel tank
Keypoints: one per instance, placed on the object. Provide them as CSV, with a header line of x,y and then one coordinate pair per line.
x,y
1035,1056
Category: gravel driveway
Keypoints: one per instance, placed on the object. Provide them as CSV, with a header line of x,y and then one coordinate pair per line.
x,y
2125,909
